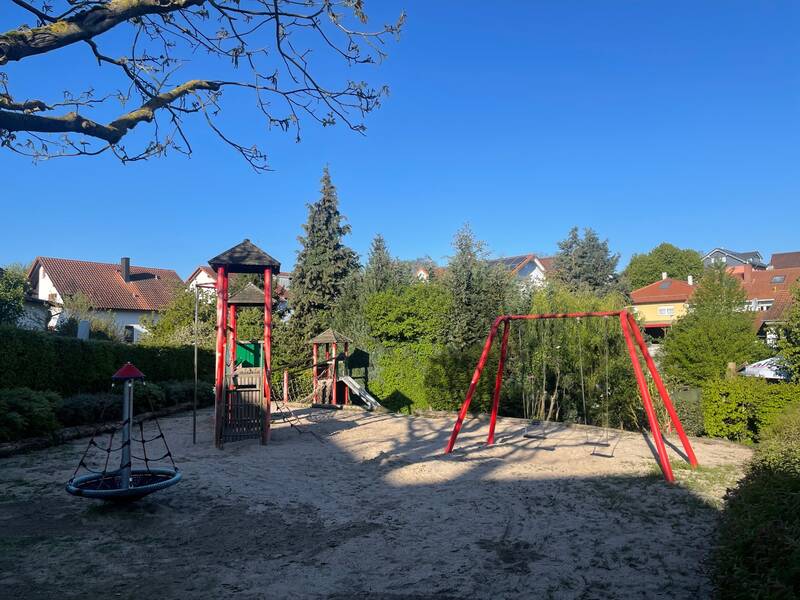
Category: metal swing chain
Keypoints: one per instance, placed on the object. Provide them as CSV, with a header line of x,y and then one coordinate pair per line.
x,y
580,362
608,387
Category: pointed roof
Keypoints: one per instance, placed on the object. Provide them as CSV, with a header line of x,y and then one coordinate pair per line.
x,y
329,336
245,257
128,371
249,295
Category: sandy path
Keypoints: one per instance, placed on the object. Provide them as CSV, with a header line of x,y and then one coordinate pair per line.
x,y
376,511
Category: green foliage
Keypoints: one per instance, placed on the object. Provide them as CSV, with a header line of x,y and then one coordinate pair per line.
x,y
416,313
401,384
689,406
175,324
448,375
44,361
478,291
789,341
323,265
382,272
86,409
739,408
27,413
78,307
714,332
758,554
13,281
644,269
586,263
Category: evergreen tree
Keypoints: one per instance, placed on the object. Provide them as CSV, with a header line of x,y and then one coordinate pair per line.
x,y
789,343
586,263
645,269
714,332
478,291
13,282
382,272
323,265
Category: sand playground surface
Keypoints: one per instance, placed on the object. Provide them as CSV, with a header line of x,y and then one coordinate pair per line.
x,y
369,507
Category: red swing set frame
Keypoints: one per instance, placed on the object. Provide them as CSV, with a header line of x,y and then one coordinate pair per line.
x,y
633,338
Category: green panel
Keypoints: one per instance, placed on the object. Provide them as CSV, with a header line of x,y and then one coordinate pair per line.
x,y
248,354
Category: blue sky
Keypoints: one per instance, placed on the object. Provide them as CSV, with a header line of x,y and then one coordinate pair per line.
x,y
647,121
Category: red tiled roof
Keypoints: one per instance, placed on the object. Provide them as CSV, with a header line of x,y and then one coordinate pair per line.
x,y
548,262
663,290
204,269
785,260
776,312
765,285
149,289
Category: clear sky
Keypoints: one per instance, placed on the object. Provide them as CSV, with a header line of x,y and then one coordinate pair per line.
x,y
648,121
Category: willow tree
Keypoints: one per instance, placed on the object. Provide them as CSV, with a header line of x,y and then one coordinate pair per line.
x,y
266,48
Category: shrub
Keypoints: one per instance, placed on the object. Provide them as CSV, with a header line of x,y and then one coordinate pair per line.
x,y
758,555
182,392
400,384
147,397
739,408
43,361
687,401
86,409
448,377
27,413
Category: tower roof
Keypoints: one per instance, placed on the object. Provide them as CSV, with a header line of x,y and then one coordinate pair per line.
x,y
329,336
249,295
245,257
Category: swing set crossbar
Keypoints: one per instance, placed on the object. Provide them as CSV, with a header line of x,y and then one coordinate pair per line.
x,y
633,340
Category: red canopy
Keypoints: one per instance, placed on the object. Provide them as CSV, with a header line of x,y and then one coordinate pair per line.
x,y
128,371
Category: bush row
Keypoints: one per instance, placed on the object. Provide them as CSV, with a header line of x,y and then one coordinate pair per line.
x,y
30,413
42,361
758,555
739,408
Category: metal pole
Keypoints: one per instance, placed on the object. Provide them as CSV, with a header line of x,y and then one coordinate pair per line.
x,y
314,372
662,390
127,415
666,468
498,382
473,384
194,401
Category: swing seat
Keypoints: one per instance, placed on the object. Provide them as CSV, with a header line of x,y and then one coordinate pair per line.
x,y
108,486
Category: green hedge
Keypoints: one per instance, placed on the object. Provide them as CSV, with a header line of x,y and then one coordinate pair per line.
x,y
740,407
43,361
400,384
29,413
758,555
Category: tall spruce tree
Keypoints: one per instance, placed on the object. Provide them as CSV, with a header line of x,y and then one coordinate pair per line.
x,y
586,262
323,265
382,272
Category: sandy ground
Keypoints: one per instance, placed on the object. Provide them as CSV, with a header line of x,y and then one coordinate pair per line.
x,y
373,511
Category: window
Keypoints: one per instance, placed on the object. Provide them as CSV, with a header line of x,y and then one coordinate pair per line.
x,y
666,311
779,279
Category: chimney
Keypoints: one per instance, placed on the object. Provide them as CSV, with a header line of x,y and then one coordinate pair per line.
x,y
690,280
125,269
747,273
664,275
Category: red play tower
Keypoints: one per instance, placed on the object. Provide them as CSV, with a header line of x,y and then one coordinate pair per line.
x,y
242,396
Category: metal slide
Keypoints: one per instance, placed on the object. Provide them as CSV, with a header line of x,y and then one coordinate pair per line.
x,y
361,392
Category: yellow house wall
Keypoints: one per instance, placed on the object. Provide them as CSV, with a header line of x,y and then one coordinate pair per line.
x,y
649,312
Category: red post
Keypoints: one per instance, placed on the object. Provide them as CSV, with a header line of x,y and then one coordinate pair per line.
x,y
286,386
662,390
346,388
315,371
473,384
267,400
333,376
219,390
666,468
231,342
498,382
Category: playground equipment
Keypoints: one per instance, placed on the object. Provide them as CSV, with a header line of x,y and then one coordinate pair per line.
x,y
633,338
242,397
327,384
124,484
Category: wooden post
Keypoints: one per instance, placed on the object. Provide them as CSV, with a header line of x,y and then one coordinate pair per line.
x,y
333,376
315,372
267,397
346,388
286,386
219,384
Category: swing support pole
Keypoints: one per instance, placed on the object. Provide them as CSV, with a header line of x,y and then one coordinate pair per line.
x,y
630,332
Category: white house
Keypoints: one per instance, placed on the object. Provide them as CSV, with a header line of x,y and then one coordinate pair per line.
x,y
528,268
125,292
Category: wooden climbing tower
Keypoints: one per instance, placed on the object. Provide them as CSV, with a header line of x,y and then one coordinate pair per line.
x,y
325,369
242,396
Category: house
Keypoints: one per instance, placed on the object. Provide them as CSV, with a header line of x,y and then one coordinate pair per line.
x,y
660,304
734,259
124,291
528,268
784,260
769,293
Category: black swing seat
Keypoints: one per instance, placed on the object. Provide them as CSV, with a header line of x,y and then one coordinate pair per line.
x,y
108,485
